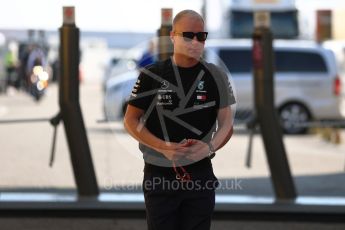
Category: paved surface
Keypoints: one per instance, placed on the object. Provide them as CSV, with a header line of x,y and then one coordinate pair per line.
x,y
318,166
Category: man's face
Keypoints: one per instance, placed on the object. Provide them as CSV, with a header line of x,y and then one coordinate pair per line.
x,y
188,47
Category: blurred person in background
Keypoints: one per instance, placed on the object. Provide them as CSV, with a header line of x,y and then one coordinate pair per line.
x,y
36,57
148,56
12,78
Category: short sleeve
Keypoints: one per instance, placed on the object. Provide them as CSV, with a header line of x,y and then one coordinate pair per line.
x,y
143,92
226,94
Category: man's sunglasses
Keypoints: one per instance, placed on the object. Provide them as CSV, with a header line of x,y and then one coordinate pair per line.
x,y
188,36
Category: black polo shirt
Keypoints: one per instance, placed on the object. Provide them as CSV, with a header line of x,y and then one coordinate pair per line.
x,y
180,103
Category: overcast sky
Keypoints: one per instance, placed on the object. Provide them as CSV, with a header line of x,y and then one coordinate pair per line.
x,y
112,15
109,15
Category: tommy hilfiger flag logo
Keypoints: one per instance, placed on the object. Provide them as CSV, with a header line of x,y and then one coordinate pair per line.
x,y
201,97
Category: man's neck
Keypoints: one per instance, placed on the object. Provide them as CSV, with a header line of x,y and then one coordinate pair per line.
x,y
184,61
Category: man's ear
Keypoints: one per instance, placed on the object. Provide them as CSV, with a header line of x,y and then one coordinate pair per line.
x,y
172,37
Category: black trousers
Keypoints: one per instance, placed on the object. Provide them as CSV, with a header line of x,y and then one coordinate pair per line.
x,y
175,205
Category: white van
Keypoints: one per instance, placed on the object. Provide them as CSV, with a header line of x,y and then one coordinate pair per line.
x,y
307,84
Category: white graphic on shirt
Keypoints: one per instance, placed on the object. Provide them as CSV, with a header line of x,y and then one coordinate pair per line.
x,y
201,85
166,99
164,84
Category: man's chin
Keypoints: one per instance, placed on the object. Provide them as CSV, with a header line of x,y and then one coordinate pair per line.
x,y
193,56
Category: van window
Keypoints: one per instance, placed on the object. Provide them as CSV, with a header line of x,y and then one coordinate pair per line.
x,y
240,61
296,61
237,61
283,24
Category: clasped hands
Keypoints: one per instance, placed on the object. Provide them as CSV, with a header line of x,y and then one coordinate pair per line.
x,y
190,149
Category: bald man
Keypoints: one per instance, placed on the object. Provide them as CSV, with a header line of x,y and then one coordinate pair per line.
x,y
179,112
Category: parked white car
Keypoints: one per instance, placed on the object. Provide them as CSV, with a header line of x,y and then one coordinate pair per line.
x,y
116,67
307,84
117,92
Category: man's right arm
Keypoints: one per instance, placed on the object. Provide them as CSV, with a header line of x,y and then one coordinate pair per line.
x,y
136,128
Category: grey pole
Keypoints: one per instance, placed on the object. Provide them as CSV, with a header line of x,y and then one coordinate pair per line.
x,y
165,46
71,113
267,116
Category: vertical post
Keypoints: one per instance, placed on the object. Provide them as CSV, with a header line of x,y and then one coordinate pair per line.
x,y
78,144
266,113
323,25
204,12
31,36
165,46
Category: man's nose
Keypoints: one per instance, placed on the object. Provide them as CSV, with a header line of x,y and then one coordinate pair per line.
x,y
195,40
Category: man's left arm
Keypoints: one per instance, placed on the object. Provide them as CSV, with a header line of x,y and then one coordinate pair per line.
x,y
199,149
224,129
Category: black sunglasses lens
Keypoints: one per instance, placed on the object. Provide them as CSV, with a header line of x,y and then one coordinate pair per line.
x,y
188,36
201,36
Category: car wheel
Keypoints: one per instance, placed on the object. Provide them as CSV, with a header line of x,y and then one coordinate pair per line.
x,y
293,113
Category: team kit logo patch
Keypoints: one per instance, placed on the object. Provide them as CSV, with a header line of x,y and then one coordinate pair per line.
x,y
201,97
201,85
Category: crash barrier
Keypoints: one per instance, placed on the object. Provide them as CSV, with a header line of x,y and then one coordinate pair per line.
x,y
54,121
326,210
329,131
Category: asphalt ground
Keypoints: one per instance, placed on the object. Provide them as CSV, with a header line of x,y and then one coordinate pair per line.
x,y
317,165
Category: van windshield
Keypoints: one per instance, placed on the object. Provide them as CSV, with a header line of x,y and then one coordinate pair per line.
x,y
240,61
283,24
